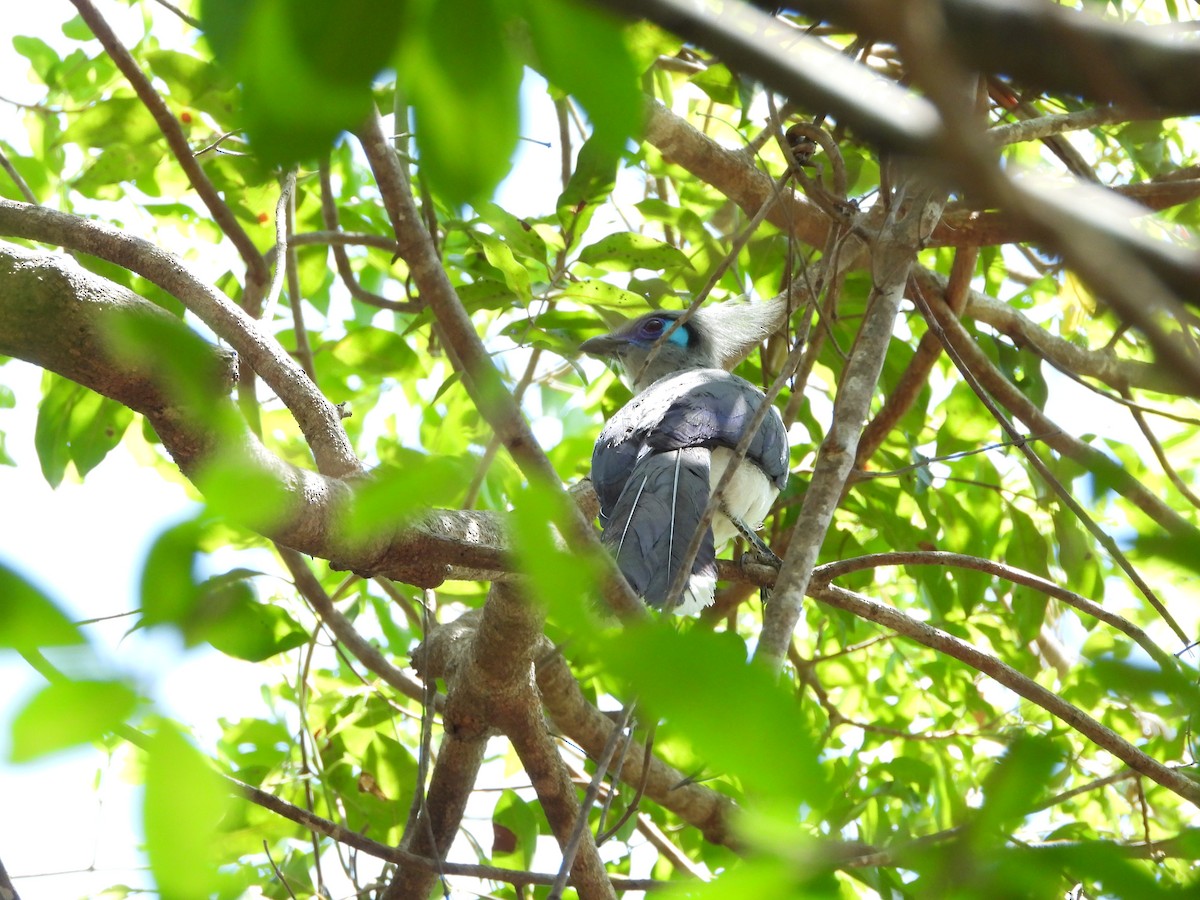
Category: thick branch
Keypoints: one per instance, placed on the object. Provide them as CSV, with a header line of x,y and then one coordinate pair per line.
x,y
56,315
317,417
733,174
1056,48
712,813
486,659
894,251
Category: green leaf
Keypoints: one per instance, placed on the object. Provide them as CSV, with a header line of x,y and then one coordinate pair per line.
x,y
516,276
232,619
70,713
169,592
518,234
1014,786
627,250
117,162
591,183
485,294
565,583
373,351
515,830
76,425
463,79
117,120
305,67
183,805
42,57
29,618
406,484
601,293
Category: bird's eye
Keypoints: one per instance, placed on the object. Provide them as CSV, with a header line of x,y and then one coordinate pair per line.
x,y
653,327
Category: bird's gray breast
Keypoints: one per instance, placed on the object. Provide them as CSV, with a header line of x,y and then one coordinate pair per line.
x,y
707,408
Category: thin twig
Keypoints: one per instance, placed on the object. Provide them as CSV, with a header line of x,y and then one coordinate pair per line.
x,y
195,23
639,791
20,182
256,268
282,878
936,322
1160,454
402,857
829,571
962,454
295,301
366,653
286,191
329,217
1077,719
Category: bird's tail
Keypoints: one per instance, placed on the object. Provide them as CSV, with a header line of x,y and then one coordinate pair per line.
x,y
652,524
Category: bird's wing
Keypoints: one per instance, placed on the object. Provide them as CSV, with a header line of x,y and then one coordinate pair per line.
x,y
715,411
653,520
696,408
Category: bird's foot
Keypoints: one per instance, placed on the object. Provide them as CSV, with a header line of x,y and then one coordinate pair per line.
x,y
759,551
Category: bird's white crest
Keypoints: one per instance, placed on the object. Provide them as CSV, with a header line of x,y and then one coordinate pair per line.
x,y
737,328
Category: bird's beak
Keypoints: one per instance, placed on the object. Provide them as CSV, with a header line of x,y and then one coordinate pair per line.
x,y
603,345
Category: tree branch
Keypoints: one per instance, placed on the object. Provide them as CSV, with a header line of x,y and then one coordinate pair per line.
x,y
826,573
931,637
256,267
58,316
893,253
480,376
365,845
318,419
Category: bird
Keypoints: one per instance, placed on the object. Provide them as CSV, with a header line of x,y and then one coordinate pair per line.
x,y
660,457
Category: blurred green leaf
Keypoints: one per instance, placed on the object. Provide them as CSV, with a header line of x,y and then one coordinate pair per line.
x,y
572,41
69,713
183,805
735,714
463,79
305,67
76,425
232,619
169,591
29,618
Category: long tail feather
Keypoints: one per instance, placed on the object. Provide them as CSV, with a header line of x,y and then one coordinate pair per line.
x,y
653,522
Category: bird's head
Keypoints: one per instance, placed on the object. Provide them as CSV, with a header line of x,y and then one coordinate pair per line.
x,y
714,337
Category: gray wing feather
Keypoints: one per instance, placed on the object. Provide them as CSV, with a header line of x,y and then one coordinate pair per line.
x,y
698,408
654,517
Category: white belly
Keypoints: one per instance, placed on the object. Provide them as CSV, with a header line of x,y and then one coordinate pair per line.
x,y
748,496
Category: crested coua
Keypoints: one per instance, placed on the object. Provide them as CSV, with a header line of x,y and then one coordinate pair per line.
x,y
658,460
